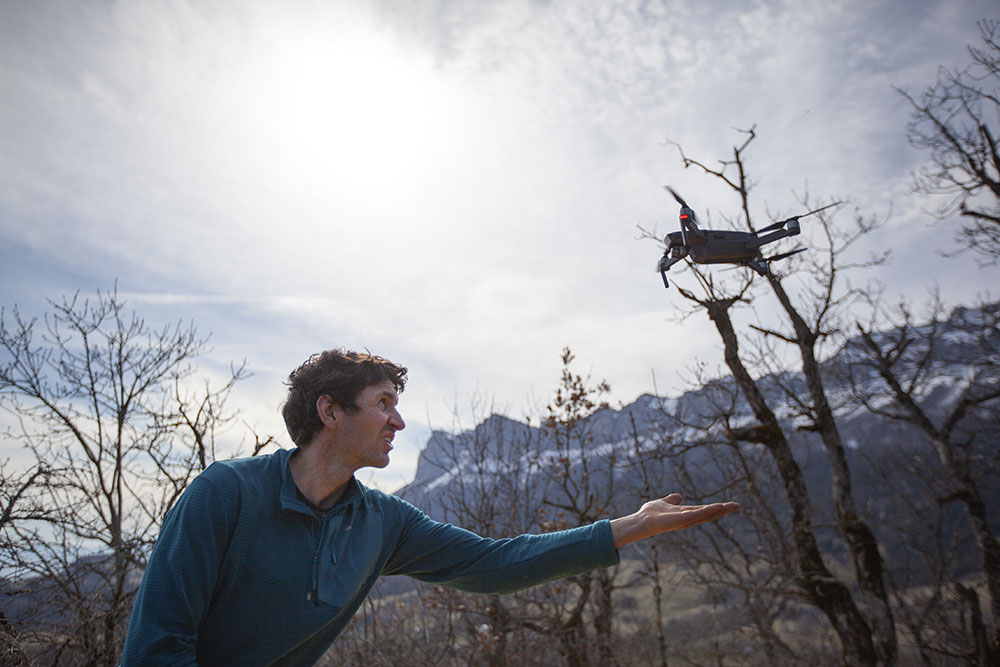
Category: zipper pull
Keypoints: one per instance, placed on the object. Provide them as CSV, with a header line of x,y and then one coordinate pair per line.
x,y
313,595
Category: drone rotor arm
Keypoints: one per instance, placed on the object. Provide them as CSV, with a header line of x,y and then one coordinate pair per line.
x,y
771,227
688,222
768,238
793,220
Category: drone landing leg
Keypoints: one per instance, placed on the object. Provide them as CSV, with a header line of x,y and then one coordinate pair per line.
x,y
664,264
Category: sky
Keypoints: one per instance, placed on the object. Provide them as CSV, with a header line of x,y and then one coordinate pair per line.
x,y
456,186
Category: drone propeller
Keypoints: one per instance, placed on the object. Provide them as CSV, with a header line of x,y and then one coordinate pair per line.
x,y
794,218
817,210
679,199
784,255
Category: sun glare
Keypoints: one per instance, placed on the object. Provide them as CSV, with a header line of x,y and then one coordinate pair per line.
x,y
348,106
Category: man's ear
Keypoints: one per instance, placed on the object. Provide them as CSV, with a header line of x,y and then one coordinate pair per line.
x,y
328,411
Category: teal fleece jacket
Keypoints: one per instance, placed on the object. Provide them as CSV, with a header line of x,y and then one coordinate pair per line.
x,y
244,573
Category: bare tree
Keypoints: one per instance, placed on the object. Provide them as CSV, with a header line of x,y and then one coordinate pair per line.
x,y
746,568
20,501
913,364
805,325
580,484
957,120
105,406
19,495
816,583
647,463
925,540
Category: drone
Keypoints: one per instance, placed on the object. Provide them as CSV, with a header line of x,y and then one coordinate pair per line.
x,y
714,246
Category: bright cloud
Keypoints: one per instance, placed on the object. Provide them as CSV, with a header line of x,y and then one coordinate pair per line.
x,y
453,185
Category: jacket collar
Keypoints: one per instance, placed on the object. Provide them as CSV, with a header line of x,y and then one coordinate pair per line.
x,y
355,493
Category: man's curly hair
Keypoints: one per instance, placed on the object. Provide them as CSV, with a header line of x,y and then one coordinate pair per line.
x,y
339,374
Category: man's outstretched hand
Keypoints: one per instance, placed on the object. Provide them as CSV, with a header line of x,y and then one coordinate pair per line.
x,y
660,516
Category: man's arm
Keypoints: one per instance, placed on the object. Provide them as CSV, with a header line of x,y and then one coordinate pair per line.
x,y
444,554
665,514
180,578
447,555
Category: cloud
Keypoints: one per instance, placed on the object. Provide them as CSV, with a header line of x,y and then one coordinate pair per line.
x,y
456,185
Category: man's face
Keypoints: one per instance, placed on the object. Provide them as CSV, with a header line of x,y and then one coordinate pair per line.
x,y
367,433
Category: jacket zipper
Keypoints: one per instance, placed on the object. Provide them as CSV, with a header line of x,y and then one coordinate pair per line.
x,y
314,593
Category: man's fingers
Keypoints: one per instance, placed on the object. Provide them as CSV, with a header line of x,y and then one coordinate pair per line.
x,y
697,514
719,510
725,508
716,510
704,514
722,508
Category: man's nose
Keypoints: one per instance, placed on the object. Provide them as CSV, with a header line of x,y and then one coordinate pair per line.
x,y
397,420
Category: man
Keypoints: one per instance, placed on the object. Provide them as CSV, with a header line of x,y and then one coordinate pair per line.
x,y
264,560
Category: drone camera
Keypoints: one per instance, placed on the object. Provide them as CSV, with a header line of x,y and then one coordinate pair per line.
x,y
793,227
